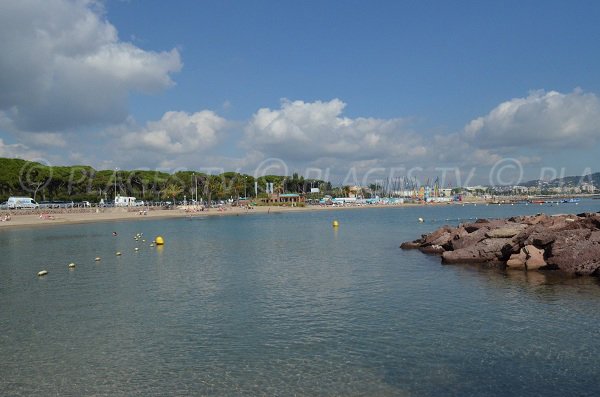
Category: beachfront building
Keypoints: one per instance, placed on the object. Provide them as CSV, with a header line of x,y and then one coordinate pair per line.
x,y
283,198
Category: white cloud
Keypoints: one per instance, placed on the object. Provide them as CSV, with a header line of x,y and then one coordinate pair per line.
x,y
542,119
309,131
62,65
17,151
177,133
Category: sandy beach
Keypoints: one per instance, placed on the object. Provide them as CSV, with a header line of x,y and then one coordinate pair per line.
x,y
40,219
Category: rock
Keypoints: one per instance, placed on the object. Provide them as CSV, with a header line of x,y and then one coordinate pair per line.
x,y
576,252
463,255
505,232
410,245
432,249
438,238
430,238
534,220
469,239
565,242
535,257
517,261
541,239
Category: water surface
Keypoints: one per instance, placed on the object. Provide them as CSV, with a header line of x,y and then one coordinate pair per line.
x,y
284,304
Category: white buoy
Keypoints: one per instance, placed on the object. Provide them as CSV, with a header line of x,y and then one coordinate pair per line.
x,y
71,265
136,248
97,259
151,245
118,253
421,220
42,273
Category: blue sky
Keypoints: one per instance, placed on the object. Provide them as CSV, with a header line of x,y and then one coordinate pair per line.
x,y
344,90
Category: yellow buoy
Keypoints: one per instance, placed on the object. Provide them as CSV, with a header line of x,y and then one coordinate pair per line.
x,y
42,273
159,240
335,224
71,265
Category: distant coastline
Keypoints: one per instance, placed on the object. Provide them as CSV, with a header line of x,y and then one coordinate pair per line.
x,y
66,217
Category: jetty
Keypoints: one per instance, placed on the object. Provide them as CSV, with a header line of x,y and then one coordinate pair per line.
x,y
564,243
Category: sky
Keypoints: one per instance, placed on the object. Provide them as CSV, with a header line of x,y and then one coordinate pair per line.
x,y
472,92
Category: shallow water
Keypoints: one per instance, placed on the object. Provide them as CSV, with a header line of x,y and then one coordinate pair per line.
x,y
284,304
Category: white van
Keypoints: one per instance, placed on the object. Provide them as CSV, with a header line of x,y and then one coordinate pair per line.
x,y
121,201
16,203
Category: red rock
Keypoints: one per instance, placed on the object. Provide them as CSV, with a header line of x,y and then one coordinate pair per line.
x,y
576,252
535,257
410,245
517,261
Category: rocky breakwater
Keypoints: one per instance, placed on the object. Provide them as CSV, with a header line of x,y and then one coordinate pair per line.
x,y
568,243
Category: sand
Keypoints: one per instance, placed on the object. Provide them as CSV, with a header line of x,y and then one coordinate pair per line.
x,y
121,214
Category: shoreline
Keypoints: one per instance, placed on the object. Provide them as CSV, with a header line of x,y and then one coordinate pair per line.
x,y
122,214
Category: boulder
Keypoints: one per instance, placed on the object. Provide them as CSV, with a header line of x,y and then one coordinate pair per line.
x,y
469,239
441,234
535,257
540,239
576,252
570,243
411,245
432,249
463,255
517,261
505,232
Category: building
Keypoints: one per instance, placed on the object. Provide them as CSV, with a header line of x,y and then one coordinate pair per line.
x,y
283,198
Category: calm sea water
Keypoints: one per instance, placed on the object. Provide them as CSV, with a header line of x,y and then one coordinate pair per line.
x,y
284,304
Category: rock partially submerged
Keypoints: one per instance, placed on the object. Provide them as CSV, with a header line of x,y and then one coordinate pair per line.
x,y
570,243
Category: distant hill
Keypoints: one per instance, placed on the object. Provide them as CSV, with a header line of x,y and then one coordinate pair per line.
x,y
568,181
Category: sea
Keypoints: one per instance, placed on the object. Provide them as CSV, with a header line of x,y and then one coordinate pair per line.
x,y
284,304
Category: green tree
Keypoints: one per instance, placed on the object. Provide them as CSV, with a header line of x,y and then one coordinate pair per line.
x,y
172,191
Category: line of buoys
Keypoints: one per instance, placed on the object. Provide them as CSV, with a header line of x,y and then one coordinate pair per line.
x,y
42,273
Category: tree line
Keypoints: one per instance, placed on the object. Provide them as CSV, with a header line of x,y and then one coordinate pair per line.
x,y
83,183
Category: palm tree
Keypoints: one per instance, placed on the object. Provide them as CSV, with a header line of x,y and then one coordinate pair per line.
x,y
214,185
238,184
172,190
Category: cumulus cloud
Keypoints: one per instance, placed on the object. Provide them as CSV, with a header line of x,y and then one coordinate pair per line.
x,y
177,133
309,131
542,119
63,66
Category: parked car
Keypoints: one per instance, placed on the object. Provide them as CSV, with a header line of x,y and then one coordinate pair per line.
x,y
21,202
3,206
47,204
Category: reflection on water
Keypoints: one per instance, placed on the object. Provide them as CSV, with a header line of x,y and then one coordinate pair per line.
x,y
284,305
